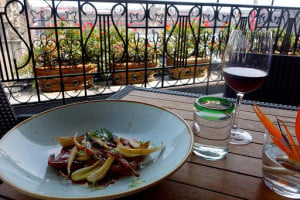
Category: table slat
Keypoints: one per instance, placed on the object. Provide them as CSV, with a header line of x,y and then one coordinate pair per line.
x,y
190,100
225,182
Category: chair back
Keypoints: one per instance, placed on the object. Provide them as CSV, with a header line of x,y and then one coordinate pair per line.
x,y
7,116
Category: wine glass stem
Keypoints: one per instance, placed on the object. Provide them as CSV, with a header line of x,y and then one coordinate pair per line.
x,y
239,98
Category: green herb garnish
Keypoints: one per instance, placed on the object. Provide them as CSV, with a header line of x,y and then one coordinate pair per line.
x,y
103,133
135,182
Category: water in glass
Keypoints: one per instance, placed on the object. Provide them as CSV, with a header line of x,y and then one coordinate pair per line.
x,y
212,127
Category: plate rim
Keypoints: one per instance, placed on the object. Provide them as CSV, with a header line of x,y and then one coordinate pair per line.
x,y
117,195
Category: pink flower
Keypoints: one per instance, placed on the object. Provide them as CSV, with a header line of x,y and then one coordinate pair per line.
x,y
89,23
62,19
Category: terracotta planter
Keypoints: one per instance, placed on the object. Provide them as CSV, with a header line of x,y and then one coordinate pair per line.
x,y
70,83
134,77
188,71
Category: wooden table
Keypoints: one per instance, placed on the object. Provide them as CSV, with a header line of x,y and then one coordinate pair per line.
x,y
238,176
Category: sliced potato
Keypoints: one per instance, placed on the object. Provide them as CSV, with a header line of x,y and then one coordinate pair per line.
x,y
82,156
130,152
100,142
81,174
134,143
69,141
100,172
71,159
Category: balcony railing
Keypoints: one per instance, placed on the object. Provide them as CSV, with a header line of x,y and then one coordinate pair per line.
x,y
54,50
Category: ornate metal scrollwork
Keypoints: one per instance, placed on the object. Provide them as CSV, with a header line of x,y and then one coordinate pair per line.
x,y
90,33
155,44
43,14
156,14
12,13
236,16
61,35
297,32
69,15
136,45
223,16
118,37
45,51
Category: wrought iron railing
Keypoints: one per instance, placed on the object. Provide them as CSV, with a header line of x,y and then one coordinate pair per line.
x,y
67,49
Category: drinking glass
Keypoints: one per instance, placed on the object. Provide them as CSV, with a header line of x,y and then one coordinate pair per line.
x,y
246,63
212,125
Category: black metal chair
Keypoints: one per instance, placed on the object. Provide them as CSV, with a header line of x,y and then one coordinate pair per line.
x,y
8,118
282,86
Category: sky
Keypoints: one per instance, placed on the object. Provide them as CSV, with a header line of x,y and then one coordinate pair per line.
x,y
286,3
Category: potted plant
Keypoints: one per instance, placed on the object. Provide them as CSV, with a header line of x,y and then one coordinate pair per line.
x,y
133,58
47,59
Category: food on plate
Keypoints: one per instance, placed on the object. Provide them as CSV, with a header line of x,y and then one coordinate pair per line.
x,y
99,157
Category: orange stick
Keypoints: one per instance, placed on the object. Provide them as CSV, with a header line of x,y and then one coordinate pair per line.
x,y
267,123
291,141
276,135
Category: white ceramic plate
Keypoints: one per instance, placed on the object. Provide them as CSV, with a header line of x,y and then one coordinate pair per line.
x,y
25,149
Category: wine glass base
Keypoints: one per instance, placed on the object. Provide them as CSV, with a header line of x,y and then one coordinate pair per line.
x,y
240,137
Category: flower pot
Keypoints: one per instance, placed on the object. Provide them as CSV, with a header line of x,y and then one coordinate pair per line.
x,y
187,72
134,77
70,83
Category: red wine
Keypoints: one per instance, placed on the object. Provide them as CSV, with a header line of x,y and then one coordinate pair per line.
x,y
244,79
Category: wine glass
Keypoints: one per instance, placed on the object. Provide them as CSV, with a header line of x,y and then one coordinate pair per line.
x,y
245,65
